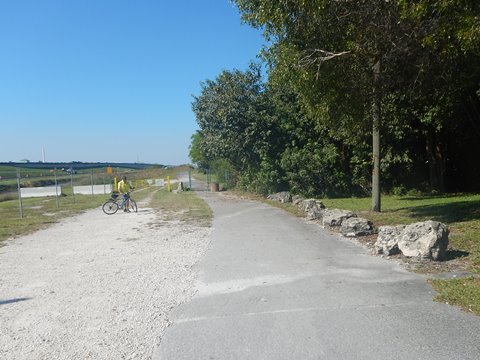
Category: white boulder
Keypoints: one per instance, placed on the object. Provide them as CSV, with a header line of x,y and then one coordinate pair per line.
x,y
428,240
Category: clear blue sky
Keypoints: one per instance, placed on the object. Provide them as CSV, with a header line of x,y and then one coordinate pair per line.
x,y
79,78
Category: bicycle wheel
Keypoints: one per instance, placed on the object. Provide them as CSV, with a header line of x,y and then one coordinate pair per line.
x,y
110,207
133,205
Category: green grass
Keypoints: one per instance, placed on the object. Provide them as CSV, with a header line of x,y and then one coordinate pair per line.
x,y
464,293
11,171
183,206
41,212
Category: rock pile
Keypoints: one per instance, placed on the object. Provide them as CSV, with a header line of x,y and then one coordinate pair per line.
x,y
426,240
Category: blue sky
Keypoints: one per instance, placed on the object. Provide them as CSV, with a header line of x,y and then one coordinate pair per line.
x,y
105,80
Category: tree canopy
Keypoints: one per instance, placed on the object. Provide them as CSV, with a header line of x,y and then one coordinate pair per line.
x,y
307,126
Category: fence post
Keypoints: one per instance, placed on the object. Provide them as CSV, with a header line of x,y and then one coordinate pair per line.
x,y
91,178
190,179
56,188
71,182
19,195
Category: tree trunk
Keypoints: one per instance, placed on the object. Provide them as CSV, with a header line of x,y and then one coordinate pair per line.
x,y
436,161
376,114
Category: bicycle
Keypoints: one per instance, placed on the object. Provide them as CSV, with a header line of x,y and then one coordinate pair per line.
x,y
112,205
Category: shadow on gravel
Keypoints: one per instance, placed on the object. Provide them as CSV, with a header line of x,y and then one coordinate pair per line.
x,y
145,211
12,301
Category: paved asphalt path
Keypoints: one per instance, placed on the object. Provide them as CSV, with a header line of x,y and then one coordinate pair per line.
x,y
273,286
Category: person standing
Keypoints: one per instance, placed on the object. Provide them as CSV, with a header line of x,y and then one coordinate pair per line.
x,y
124,190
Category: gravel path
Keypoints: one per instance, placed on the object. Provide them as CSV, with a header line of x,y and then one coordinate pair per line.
x,y
96,286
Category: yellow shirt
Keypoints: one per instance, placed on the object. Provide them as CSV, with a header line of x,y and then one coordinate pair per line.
x,y
123,187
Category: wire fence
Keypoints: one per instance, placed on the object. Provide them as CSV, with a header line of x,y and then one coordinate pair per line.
x,y
61,183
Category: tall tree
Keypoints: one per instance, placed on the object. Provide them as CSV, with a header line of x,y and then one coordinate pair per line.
x,y
348,58
226,111
358,34
446,72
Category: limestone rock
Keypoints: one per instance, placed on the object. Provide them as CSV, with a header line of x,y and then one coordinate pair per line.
x,y
297,199
313,208
387,240
335,217
355,226
283,197
428,240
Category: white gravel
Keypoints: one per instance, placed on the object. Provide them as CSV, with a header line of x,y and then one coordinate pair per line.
x,y
96,286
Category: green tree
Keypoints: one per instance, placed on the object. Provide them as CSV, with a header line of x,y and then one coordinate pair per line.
x,y
226,111
348,59
196,152
445,72
353,35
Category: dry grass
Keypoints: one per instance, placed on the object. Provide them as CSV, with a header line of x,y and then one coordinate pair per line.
x,y
183,206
